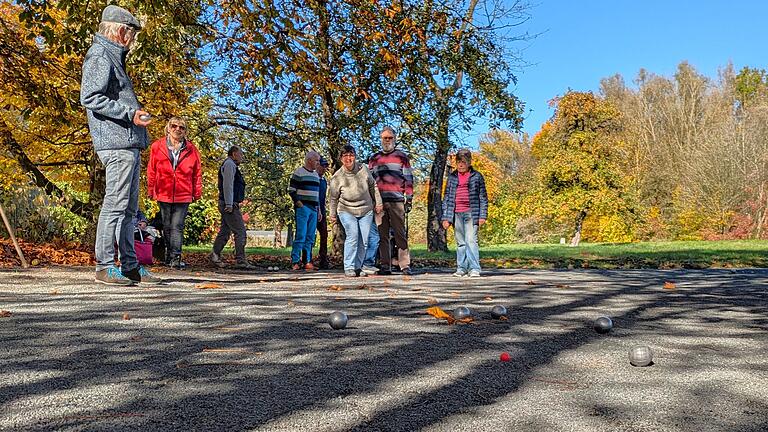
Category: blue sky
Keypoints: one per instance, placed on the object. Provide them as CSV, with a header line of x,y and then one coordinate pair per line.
x,y
584,41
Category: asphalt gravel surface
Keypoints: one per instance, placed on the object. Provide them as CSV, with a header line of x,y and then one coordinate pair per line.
x,y
254,351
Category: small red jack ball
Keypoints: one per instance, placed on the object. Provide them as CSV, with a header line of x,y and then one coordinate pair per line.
x,y
504,357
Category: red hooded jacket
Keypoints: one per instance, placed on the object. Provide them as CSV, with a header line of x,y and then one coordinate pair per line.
x,y
182,185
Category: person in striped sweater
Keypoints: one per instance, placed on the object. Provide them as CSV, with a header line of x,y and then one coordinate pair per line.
x,y
304,189
465,205
392,171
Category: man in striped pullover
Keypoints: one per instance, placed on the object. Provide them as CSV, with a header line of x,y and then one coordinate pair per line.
x,y
304,189
392,171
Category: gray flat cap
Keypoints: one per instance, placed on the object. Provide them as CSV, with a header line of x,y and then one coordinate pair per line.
x,y
116,14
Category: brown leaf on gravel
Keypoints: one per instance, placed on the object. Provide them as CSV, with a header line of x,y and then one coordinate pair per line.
x,y
334,288
562,286
669,285
488,298
432,300
361,286
54,292
406,278
136,338
209,285
454,294
291,304
5,314
530,282
439,313
126,316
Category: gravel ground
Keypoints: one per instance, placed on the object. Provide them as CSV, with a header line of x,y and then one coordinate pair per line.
x,y
257,354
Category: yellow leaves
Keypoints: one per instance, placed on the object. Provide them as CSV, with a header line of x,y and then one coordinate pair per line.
x,y
439,313
209,285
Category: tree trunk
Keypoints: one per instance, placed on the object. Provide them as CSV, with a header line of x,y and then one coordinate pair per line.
x,y
436,235
289,238
278,234
579,222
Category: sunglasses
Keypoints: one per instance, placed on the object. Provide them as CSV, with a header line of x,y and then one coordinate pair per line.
x,y
388,138
179,127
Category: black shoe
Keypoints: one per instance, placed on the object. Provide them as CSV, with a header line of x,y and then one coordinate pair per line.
x,y
407,271
383,272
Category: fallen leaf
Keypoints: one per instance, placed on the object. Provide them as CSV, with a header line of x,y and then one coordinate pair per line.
x,y
432,300
126,316
530,282
488,298
406,278
209,285
5,314
454,294
562,286
334,288
291,304
136,338
438,313
54,292
669,285
363,286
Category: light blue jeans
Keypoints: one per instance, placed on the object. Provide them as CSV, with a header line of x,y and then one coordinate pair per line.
x,y
373,245
467,248
306,226
357,229
121,201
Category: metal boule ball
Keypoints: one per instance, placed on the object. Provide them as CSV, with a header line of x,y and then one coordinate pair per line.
x,y
498,311
461,312
603,325
338,320
640,356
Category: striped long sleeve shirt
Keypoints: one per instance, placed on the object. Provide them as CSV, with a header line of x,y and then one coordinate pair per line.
x,y
393,175
305,187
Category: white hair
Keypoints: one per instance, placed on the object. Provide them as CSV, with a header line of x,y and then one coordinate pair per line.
x,y
389,128
311,154
111,30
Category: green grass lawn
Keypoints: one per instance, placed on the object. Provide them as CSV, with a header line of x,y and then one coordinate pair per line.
x,y
680,254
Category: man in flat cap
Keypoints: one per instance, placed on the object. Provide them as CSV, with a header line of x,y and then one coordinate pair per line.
x,y
117,125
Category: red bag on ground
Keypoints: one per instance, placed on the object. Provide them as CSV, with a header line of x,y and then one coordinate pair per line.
x,y
143,251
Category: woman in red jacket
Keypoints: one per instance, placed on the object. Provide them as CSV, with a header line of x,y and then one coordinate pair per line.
x,y
174,179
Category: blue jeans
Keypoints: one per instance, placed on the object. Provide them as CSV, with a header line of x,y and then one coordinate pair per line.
x,y
373,245
121,202
357,229
467,249
306,226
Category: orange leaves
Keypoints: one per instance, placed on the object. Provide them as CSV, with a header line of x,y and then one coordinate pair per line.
x,y
209,285
334,288
439,313
669,285
5,314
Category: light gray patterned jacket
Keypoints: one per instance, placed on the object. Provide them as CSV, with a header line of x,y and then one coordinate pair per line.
x,y
107,94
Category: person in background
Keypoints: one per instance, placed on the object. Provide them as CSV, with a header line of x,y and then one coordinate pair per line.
x,y
392,171
353,197
231,193
304,190
322,223
117,124
174,180
466,207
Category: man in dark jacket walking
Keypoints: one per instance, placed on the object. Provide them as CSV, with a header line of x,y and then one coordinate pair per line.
x,y
118,128
231,194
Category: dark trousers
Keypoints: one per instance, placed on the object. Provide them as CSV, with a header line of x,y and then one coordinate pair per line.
x,y
173,215
231,223
322,228
394,217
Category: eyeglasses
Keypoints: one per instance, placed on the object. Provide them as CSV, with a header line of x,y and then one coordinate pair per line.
x,y
388,138
179,127
348,155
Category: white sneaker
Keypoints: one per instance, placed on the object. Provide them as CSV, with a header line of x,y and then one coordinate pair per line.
x,y
369,270
460,273
474,273
215,259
